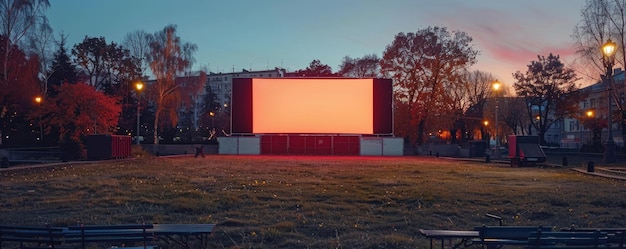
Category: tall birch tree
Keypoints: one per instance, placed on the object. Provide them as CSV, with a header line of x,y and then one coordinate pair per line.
x,y
168,58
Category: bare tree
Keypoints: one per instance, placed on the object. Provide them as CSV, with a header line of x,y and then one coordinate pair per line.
x,y
510,109
616,13
469,99
41,43
367,66
17,18
137,42
601,20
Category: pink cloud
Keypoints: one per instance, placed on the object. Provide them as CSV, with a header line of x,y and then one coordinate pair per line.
x,y
513,35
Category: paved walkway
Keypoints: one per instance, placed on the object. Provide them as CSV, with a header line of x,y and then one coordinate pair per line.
x,y
598,172
583,169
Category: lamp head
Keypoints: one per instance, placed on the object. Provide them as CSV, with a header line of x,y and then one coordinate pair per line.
x,y
496,85
139,85
609,48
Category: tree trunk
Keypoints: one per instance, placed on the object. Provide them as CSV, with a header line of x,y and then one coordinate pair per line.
x,y
453,135
156,125
420,132
596,140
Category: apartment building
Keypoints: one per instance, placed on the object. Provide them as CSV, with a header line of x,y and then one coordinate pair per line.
x,y
221,83
575,135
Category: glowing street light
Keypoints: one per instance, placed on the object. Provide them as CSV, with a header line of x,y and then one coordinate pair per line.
x,y
608,55
496,88
138,87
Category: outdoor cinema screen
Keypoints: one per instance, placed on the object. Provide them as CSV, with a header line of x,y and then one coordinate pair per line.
x,y
311,106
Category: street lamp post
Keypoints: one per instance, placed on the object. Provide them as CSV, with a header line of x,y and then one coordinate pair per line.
x,y
485,134
592,128
138,87
496,152
38,100
608,55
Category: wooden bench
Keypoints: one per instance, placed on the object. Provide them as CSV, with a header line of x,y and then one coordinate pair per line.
x,y
139,236
27,237
461,237
128,236
567,240
498,236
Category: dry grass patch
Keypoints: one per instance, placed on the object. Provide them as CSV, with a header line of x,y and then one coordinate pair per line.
x,y
309,202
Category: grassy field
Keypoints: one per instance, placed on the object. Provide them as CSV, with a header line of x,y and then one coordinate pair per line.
x,y
309,202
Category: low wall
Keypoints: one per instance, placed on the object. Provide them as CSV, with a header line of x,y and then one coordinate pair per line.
x,y
381,146
178,149
450,150
240,145
312,145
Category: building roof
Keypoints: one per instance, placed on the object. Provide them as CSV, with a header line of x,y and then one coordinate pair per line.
x,y
618,77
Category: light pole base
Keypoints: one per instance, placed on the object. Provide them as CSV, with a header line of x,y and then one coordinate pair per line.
x,y
609,152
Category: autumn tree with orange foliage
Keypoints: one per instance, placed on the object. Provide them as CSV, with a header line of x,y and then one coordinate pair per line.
x,y
77,111
424,66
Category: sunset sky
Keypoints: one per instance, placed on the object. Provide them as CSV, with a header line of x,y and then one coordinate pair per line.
x,y
258,35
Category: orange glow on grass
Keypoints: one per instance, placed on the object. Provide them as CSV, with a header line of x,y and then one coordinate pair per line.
x,y
322,106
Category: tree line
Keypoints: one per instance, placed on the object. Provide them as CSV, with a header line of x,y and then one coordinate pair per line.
x,y
89,88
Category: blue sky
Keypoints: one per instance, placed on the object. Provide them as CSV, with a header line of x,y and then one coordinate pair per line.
x,y
261,34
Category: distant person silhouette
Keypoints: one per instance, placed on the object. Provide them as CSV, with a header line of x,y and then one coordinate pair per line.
x,y
199,151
